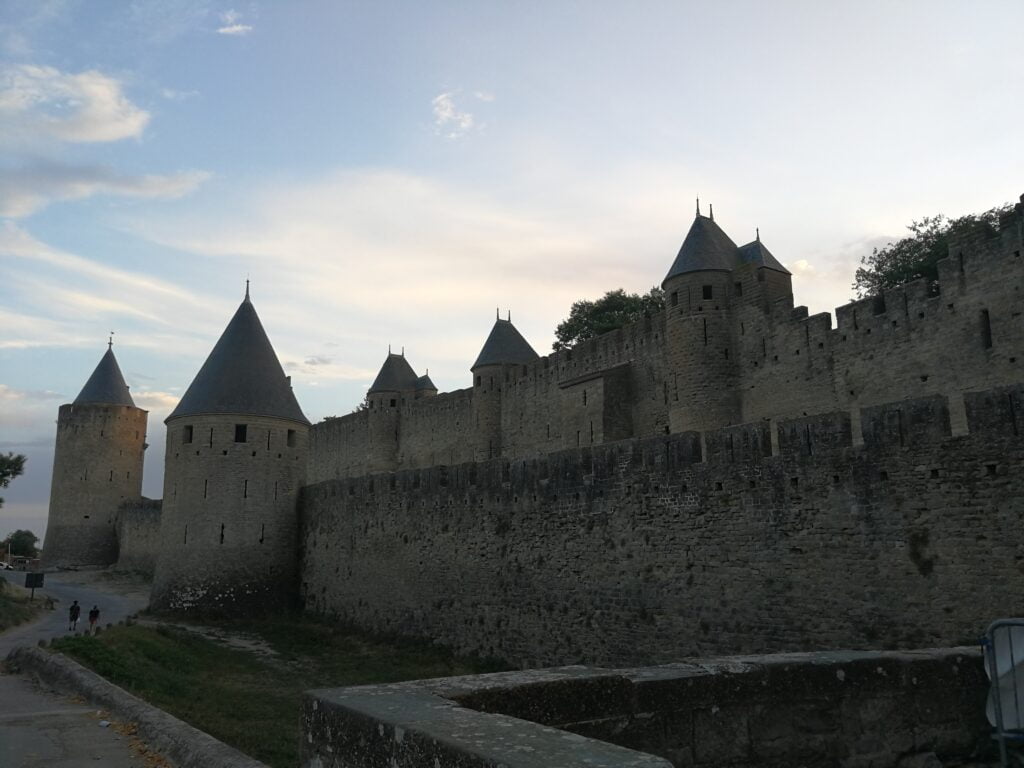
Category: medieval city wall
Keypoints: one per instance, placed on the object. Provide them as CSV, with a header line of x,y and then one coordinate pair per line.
x,y
910,342
779,362
138,535
744,539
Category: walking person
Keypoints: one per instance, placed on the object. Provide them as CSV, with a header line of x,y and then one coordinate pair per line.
x,y
73,613
94,616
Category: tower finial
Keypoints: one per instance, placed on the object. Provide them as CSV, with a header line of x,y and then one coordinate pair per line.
x,y
711,211
110,341
758,231
389,349
403,350
497,313
510,315
698,206
247,289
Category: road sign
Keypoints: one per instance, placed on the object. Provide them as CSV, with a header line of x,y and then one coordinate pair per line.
x,y
33,580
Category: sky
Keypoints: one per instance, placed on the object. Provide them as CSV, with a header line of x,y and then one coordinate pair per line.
x,y
390,173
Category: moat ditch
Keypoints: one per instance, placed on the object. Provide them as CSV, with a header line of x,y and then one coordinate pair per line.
x,y
242,682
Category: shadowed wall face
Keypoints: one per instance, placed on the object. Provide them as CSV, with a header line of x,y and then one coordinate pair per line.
x,y
229,529
646,551
97,466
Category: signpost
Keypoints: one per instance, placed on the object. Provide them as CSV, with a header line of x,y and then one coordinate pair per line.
x,y
33,580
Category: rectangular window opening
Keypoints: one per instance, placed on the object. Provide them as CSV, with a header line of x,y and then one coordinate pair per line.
x,y
185,539
705,331
206,487
186,434
240,433
707,292
222,533
291,438
263,532
675,298
739,289
245,489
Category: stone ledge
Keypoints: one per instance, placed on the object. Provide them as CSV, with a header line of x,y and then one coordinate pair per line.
x,y
186,745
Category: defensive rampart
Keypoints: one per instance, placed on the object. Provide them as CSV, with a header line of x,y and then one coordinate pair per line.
x,y
138,535
964,332
750,539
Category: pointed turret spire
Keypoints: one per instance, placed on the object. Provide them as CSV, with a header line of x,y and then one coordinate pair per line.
x,y
698,206
106,385
706,247
242,375
396,375
247,289
505,345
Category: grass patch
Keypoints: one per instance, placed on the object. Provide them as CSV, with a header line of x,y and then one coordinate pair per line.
x,y
15,607
247,699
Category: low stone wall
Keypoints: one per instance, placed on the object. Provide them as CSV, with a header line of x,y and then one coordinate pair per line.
x,y
138,535
849,709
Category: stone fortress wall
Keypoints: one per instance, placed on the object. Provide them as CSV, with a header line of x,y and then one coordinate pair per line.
x,y
744,354
97,466
138,535
751,538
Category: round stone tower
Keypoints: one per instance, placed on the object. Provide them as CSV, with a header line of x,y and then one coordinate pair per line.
x,y
504,349
699,330
97,465
236,459
395,383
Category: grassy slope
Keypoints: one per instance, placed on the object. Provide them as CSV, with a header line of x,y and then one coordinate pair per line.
x,y
247,700
15,607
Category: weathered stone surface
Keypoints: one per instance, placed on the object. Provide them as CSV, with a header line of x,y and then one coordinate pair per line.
x,y
640,552
817,709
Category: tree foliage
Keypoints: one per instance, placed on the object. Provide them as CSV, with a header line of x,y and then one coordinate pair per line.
x,y
11,465
615,309
22,543
918,255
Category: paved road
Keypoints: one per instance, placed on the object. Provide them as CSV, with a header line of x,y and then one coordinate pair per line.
x,y
54,623
46,729
43,729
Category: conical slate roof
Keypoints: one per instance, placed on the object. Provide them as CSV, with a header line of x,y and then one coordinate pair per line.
x,y
242,375
706,247
424,382
504,346
756,253
106,385
396,375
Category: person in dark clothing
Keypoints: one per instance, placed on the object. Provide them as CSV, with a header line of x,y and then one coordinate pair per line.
x,y
73,613
94,616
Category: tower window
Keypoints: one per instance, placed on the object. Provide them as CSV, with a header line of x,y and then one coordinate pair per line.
x,y
263,531
707,291
240,431
245,489
760,275
211,437
986,330
584,397
393,402
675,298
291,438
222,533
186,434
739,289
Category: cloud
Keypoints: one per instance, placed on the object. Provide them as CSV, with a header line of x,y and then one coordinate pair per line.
x,y
24,191
231,25
37,101
318,360
155,401
11,394
173,95
449,121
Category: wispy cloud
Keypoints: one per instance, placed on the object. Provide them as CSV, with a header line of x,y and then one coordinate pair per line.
x,y
449,120
26,190
38,102
172,94
231,24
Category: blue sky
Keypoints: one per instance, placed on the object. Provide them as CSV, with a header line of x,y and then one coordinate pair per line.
x,y
389,173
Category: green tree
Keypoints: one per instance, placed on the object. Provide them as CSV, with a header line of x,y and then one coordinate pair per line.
x,y
11,465
22,543
917,256
615,309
